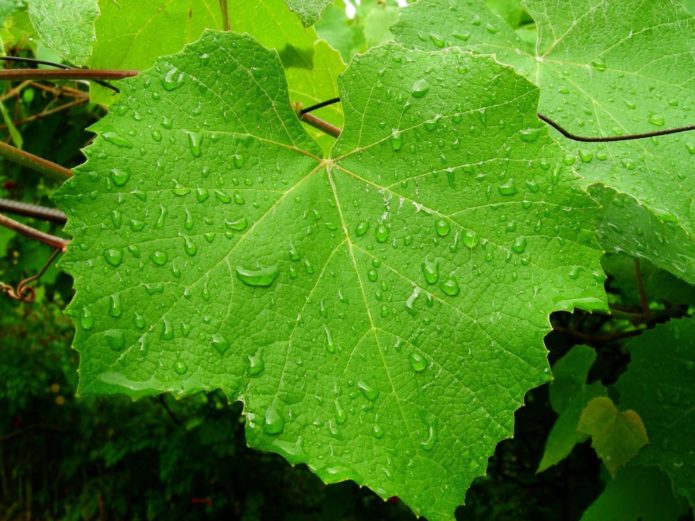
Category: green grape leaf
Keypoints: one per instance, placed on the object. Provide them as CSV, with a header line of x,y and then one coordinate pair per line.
x,y
66,26
604,68
380,312
637,492
309,11
659,386
569,395
616,436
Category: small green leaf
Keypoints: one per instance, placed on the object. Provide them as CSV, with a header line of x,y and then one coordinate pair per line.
x,y
569,395
294,282
659,386
309,11
616,436
66,26
637,492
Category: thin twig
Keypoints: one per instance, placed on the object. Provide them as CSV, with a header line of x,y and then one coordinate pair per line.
x,y
33,233
319,105
34,162
320,124
32,210
74,103
609,139
24,292
58,91
226,26
644,301
15,90
65,74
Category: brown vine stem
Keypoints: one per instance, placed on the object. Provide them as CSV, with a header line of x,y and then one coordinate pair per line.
x,y
65,74
34,162
320,124
33,233
610,139
32,210
226,26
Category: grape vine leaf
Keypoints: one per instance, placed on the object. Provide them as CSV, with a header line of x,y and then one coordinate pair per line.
x,y
66,26
380,312
309,11
162,27
615,436
569,395
604,68
659,386
637,492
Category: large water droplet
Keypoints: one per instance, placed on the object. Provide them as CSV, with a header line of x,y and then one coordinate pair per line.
x,y
430,269
420,88
519,244
119,177
330,344
220,343
362,228
450,287
378,431
115,308
158,257
259,277
599,64
508,188
86,319
530,135
189,246
381,233
173,79
115,139
368,391
470,239
657,120
256,364
115,339
167,330
273,422
195,141
340,414
180,367
418,362
429,442
442,227
114,256
396,140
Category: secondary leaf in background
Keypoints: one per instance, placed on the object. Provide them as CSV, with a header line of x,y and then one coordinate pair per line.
x,y
132,33
380,313
616,436
637,492
368,27
659,386
604,68
569,395
66,26
309,11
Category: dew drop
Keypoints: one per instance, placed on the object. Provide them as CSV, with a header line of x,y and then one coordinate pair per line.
x,y
418,362
378,431
362,228
450,287
256,364
381,233
115,139
238,225
330,344
86,319
599,64
470,239
189,246
430,270
396,140
220,343
167,330
431,440
180,367
139,321
657,120
115,309
530,135
519,244
115,339
260,277
273,423
340,415
195,143
441,227
368,391
119,177
420,88
114,256
158,257
508,188
173,79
